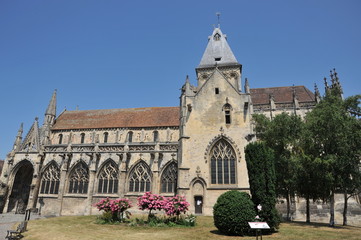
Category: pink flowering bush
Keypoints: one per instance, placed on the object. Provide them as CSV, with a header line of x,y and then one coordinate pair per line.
x,y
151,202
172,206
114,210
176,205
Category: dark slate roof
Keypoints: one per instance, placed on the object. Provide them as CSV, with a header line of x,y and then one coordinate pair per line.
x,y
111,118
281,94
217,47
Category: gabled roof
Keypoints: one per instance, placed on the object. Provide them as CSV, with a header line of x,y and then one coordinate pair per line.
x,y
162,116
217,48
113,118
281,94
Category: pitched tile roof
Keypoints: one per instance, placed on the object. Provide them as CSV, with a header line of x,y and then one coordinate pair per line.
x,y
163,116
281,94
109,118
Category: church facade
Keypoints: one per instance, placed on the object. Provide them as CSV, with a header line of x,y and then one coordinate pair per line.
x,y
72,160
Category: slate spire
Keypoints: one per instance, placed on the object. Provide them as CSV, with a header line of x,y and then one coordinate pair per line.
x,y
218,52
50,113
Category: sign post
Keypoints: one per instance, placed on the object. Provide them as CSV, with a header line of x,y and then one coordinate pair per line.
x,y
258,226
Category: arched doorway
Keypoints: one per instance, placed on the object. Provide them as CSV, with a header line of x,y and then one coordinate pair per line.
x,y
198,194
19,196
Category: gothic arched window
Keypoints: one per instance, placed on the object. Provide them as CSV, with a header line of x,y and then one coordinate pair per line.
x,y
50,180
140,178
223,163
168,181
108,178
217,37
79,179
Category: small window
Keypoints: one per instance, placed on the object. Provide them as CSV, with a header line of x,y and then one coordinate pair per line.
x,y
227,112
217,37
155,136
60,138
216,90
228,117
106,137
82,138
130,137
217,59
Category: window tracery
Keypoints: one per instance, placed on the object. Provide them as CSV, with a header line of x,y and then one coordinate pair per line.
x,y
169,179
50,180
79,179
140,178
108,178
223,163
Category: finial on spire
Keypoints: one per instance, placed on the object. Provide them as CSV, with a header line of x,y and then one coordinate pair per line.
x,y
246,86
218,14
326,84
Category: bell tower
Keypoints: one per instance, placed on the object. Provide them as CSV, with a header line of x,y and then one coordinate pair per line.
x,y
214,125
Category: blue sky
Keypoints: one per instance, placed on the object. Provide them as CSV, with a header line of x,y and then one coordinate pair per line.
x,y
124,54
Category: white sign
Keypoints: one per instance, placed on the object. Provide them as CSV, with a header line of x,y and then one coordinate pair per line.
x,y
258,225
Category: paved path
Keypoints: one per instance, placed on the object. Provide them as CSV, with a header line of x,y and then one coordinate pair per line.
x,y
7,220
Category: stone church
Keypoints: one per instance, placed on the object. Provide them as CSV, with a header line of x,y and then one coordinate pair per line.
x,y
69,161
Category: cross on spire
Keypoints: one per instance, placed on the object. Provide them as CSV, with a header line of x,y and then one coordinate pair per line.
x,y
218,14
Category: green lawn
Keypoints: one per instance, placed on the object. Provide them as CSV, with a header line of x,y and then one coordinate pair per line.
x,y
84,227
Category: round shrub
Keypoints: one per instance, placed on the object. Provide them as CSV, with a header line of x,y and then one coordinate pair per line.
x,y
232,212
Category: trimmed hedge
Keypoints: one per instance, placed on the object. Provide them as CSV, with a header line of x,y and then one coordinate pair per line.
x,y
232,212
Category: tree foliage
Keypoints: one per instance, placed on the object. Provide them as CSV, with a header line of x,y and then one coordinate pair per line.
x,y
262,179
282,134
332,133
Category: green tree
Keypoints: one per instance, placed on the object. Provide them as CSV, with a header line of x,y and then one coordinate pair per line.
x,y
262,179
334,135
282,134
313,178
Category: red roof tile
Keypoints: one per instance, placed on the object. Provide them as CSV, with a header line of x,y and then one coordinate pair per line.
x,y
109,118
281,94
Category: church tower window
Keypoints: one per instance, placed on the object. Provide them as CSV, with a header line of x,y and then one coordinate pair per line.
x,y
217,37
169,178
227,113
79,179
50,180
106,134
108,178
223,163
82,137
140,178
